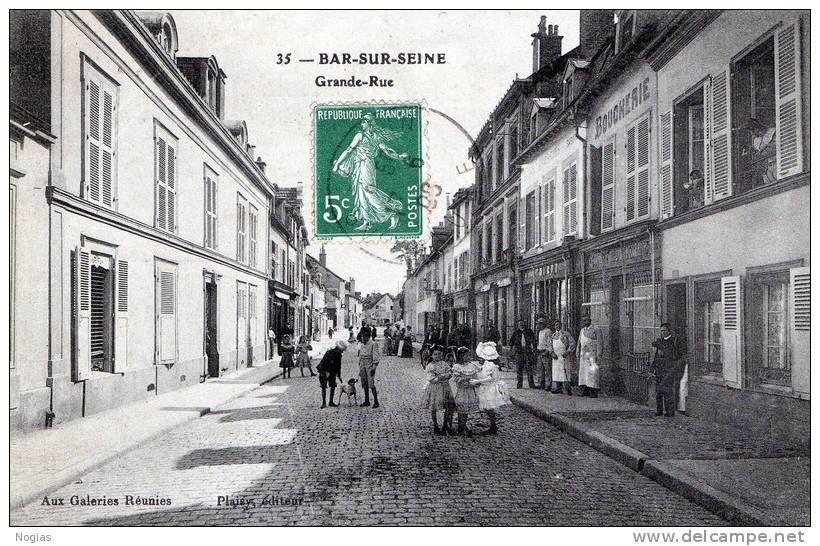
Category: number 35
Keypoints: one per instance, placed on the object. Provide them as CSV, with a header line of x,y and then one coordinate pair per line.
x,y
329,204
283,58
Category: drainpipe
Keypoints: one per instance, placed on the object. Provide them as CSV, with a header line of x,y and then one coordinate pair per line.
x,y
587,194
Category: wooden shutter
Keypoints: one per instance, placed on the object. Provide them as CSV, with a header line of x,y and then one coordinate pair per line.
x,y
630,174
522,225
121,317
82,314
570,193
666,175
241,317
210,210
788,100
594,170
642,197
608,186
165,174
732,330
252,215
252,315
800,328
166,290
539,219
240,229
551,210
721,137
100,104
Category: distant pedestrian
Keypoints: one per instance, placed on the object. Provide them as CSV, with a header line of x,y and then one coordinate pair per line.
x,y
407,343
303,349
330,368
352,337
286,351
492,392
667,368
493,334
330,333
369,357
563,345
589,352
437,393
522,343
543,350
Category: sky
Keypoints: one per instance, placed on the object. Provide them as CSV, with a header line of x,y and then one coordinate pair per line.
x,y
485,51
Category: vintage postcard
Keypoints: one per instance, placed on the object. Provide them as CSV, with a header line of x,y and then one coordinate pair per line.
x,y
427,268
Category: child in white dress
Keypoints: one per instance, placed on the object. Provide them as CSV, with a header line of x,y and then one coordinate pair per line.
x,y
492,391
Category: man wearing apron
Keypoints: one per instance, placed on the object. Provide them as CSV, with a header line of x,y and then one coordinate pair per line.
x,y
562,346
589,353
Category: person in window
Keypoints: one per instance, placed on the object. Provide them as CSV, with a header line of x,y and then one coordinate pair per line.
x,y
761,155
694,189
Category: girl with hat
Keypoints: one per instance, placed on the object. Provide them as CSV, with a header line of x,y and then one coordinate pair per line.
x,y
466,397
492,392
437,393
286,351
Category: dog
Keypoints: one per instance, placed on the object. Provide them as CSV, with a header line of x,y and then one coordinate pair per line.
x,y
350,391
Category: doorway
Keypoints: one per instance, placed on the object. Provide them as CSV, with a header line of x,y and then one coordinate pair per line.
x,y
211,348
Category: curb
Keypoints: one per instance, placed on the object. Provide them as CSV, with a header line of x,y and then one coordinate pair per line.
x,y
18,501
717,502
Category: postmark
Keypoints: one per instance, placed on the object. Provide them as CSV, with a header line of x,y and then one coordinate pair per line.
x,y
368,170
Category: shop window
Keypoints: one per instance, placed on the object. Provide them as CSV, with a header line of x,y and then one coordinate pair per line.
x,y
708,312
754,118
690,152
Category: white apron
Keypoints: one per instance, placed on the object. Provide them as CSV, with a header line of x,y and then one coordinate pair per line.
x,y
559,365
588,371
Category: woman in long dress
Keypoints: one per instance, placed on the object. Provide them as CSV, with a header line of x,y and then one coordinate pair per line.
x,y
562,346
589,354
407,346
358,162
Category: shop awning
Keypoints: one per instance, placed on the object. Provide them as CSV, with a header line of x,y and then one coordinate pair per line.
x,y
426,306
281,295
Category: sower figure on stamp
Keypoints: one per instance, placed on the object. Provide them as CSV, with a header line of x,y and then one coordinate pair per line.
x,y
667,368
522,343
358,162
369,356
329,369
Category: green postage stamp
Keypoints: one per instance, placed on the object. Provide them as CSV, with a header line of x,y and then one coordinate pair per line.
x,y
368,170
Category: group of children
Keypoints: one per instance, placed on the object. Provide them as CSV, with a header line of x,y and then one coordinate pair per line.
x,y
295,355
477,388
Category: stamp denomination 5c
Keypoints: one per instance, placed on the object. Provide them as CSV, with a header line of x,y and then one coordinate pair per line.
x,y
368,170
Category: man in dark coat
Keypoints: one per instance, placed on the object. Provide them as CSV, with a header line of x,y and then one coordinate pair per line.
x,y
523,343
667,367
493,334
329,369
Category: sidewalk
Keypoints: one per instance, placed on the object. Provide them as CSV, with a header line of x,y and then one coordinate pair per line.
x,y
45,460
739,476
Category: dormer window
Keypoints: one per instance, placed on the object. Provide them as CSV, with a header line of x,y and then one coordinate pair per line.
x,y
625,29
163,28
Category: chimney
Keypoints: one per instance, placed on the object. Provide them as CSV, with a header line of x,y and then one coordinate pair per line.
x,y
546,45
323,257
261,164
352,282
597,26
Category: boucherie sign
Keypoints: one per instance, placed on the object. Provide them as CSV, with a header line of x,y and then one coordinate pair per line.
x,y
630,101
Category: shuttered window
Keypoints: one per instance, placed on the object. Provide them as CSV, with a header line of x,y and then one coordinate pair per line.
x,y
252,227
241,227
166,313
800,328
165,177
608,186
570,196
637,170
211,207
530,212
666,173
549,207
788,100
732,331
100,136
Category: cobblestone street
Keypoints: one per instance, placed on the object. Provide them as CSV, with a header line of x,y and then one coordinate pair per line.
x,y
273,457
